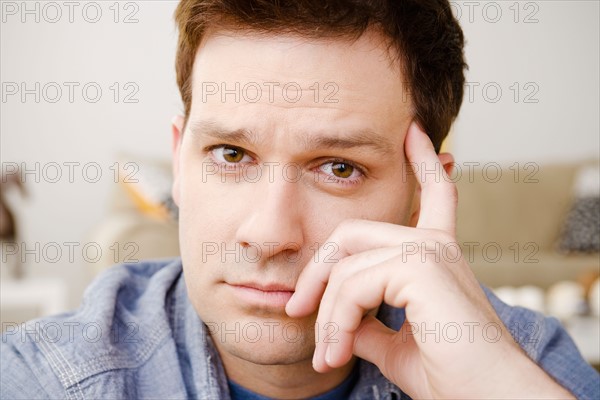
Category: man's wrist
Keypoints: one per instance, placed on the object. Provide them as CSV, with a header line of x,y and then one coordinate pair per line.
x,y
530,381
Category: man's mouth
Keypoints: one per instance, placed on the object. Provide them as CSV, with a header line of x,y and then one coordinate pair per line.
x,y
264,295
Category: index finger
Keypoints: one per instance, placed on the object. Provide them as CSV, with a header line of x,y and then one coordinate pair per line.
x,y
438,193
350,237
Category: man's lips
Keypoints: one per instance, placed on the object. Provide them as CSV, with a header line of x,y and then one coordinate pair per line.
x,y
264,295
268,287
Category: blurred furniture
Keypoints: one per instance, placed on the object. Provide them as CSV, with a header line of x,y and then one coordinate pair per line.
x,y
138,225
509,229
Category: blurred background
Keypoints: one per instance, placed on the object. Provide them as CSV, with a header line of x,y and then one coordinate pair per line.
x,y
88,93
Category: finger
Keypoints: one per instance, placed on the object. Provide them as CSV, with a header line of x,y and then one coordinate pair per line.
x,y
351,237
342,271
373,340
438,193
363,291
396,354
348,267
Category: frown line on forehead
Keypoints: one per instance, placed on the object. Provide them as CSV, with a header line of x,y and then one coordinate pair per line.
x,y
348,139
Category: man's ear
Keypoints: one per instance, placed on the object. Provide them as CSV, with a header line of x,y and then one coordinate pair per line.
x,y
447,162
177,136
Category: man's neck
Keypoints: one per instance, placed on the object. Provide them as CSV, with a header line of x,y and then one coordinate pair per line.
x,y
290,381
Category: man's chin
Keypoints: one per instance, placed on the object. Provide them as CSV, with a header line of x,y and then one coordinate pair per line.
x,y
264,342
283,354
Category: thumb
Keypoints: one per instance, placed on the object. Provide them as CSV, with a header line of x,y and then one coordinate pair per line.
x,y
396,354
373,341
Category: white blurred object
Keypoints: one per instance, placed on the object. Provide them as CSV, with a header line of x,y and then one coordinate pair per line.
x,y
528,296
585,332
587,182
43,296
507,294
565,299
531,297
594,297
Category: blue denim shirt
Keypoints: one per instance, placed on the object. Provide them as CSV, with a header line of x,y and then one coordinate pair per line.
x,y
136,335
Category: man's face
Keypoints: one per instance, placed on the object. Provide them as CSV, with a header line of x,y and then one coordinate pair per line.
x,y
286,138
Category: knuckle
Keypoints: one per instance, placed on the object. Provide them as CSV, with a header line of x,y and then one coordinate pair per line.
x,y
340,269
336,270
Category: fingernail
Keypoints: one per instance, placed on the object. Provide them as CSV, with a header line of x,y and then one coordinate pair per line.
x,y
289,304
328,355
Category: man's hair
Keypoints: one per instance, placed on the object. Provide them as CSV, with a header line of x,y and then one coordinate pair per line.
x,y
423,36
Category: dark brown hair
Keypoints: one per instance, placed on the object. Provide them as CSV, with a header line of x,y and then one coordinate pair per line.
x,y
423,35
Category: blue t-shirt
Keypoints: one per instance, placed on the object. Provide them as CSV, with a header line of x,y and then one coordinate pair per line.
x,y
342,391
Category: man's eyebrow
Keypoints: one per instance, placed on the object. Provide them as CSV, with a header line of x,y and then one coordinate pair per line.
x,y
212,129
351,139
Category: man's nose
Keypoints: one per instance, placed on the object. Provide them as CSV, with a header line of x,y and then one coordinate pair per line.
x,y
274,222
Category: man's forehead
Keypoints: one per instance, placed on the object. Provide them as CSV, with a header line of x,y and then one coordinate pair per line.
x,y
285,57
246,81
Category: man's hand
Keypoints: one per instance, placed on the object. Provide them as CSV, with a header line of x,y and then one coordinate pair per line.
x,y
452,344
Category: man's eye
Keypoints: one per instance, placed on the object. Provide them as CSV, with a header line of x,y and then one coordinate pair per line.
x,y
230,154
342,170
